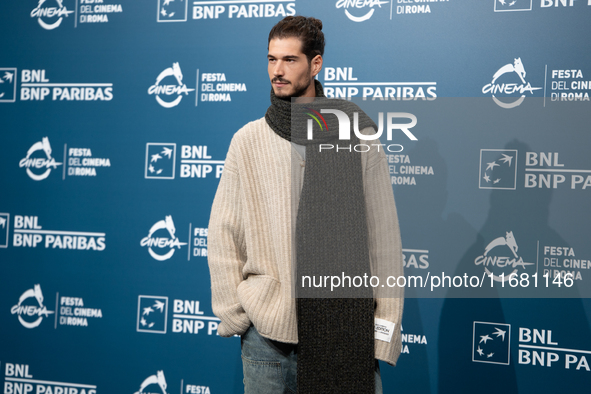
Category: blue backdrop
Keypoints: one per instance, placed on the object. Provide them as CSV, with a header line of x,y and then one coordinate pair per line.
x,y
116,117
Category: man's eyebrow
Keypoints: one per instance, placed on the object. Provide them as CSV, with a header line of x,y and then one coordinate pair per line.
x,y
287,57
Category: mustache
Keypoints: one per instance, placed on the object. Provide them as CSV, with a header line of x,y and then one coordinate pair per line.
x,y
280,80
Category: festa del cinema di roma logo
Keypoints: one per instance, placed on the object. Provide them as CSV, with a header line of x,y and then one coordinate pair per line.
x,y
163,90
153,242
30,316
497,262
39,168
157,380
509,89
156,384
360,4
51,17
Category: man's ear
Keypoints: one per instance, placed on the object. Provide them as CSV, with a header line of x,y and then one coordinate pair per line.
x,y
316,65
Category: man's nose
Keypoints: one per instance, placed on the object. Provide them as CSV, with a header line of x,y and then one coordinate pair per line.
x,y
278,69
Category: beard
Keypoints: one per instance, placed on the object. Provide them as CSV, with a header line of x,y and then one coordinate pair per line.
x,y
298,89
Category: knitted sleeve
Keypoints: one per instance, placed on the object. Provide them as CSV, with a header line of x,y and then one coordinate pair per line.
x,y
227,250
385,247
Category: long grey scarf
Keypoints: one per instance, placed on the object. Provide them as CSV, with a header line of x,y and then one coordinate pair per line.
x,y
335,328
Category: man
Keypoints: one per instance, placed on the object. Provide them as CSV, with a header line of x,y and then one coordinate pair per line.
x,y
322,344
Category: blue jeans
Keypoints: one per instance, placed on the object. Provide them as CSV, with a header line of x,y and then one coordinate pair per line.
x,y
270,367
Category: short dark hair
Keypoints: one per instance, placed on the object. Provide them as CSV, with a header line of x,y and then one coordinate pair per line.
x,y
307,29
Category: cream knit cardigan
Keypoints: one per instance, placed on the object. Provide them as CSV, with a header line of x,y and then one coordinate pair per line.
x,y
250,237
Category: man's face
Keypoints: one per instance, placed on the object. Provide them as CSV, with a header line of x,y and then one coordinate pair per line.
x,y
290,72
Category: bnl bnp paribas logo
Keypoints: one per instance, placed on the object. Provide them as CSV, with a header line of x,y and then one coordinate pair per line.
x,y
4,229
491,343
526,5
160,160
50,13
508,87
7,85
195,162
30,309
177,10
537,347
36,86
172,10
498,169
187,317
152,312
512,5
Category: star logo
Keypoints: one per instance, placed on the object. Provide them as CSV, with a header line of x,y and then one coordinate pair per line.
x,y
148,310
498,169
506,159
152,314
155,157
4,221
491,343
160,160
172,10
484,338
8,76
500,333
513,5
159,305
167,152
7,85
491,166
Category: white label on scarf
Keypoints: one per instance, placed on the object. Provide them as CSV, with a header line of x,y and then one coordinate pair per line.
x,y
384,329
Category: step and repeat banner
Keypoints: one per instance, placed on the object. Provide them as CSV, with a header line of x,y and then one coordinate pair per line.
x,y
115,119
